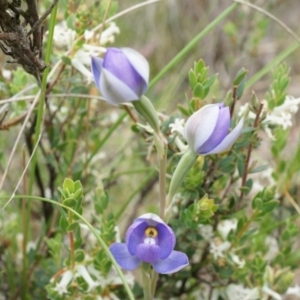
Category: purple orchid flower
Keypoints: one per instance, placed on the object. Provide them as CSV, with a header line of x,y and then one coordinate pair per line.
x,y
121,76
152,241
206,131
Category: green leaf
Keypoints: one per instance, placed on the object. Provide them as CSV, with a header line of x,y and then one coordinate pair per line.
x,y
79,255
66,60
269,206
209,82
198,90
257,203
63,223
73,226
69,186
240,89
241,75
70,202
192,79
259,169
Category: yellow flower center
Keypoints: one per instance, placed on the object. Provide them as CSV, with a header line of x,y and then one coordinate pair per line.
x,y
151,232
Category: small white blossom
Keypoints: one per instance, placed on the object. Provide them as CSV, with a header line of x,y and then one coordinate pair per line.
x,y
83,272
206,231
225,226
239,262
63,36
108,35
61,287
270,293
273,248
293,290
177,126
238,292
281,115
217,249
6,74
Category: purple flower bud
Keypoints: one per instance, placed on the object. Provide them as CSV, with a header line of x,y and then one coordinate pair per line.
x,y
206,131
121,76
152,241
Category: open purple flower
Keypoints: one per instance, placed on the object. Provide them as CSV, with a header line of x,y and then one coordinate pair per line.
x,y
206,131
152,241
121,76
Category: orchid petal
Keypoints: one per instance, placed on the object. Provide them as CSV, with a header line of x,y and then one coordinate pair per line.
x,y
123,257
148,252
229,139
114,90
175,262
201,125
135,235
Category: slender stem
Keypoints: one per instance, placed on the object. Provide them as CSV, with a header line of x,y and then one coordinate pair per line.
x,y
285,53
146,282
92,229
162,184
71,238
249,151
193,43
154,279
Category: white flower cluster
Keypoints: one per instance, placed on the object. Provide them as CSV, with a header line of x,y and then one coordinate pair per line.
x,y
219,245
281,115
87,273
177,130
64,37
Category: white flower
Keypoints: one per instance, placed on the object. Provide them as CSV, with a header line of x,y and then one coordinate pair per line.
x,y
240,263
63,36
273,248
83,272
177,126
206,231
238,292
61,287
270,293
217,248
108,35
6,74
225,226
295,290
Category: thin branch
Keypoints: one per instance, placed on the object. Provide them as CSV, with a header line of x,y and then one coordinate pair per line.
x,y
283,25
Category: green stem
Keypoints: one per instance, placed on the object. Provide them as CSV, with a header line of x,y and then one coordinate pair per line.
x,y
162,184
38,125
193,43
185,164
105,138
135,192
92,229
272,64
146,282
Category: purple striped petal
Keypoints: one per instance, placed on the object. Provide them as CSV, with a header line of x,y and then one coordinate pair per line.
x,y
117,63
229,139
96,65
148,252
123,257
151,219
200,125
175,262
139,63
166,240
135,235
220,131
114,90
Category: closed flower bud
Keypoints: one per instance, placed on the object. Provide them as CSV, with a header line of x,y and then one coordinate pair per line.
x,y
121,76
206,131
